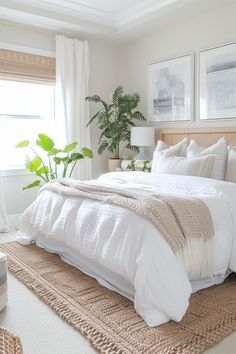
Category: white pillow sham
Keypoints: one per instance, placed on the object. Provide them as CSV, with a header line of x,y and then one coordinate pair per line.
x,y
230,175
175,150
196,166
219,149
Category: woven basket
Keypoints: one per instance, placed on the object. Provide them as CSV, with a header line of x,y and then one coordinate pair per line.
x,y
9,343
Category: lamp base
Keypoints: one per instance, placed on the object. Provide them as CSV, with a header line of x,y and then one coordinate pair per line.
x,y
143,154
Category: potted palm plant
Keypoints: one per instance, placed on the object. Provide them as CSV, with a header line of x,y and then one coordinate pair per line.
x,y
115,120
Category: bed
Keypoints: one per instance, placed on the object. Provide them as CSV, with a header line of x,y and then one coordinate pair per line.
x,y
124,251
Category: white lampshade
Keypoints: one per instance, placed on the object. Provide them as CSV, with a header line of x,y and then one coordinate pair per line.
x,y
142,136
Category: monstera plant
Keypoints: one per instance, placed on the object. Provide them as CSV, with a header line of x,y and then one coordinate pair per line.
x,y
56,163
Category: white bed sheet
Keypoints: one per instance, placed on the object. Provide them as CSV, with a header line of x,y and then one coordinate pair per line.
x,y
141,264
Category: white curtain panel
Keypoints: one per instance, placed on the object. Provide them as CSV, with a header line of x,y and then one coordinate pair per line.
x,y
4,225
72,72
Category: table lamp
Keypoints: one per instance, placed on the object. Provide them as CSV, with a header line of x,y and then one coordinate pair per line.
x,y
142,137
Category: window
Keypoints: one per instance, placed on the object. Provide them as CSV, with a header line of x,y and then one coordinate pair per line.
x,y
26,109
27,95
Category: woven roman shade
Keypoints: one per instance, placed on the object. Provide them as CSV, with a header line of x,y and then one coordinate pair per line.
x,y
19,66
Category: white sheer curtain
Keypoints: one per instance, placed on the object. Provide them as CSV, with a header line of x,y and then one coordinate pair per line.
x,y
4,225
72,71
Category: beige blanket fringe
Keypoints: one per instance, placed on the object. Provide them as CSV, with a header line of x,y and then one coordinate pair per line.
x,y
184,222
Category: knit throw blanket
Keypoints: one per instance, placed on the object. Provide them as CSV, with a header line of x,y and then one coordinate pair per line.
x,y
184,222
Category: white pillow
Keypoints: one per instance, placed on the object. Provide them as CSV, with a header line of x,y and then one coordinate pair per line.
x,y
175,150
230,175
196,166
219,149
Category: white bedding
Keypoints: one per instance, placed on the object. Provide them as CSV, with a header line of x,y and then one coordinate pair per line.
x,y
124,251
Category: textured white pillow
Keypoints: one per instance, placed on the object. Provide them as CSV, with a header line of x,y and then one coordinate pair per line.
x,y
219,149
230,175
196,166
175,150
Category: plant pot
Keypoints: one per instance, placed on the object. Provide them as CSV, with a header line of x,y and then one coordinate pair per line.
x,y
113,164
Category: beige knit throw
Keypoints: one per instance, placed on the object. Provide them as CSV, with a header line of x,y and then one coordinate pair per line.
x,y
184,222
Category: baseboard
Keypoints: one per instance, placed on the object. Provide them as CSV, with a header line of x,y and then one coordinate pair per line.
x,y
14,220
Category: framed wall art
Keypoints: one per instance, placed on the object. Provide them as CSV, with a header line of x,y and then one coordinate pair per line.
x,y
170,90
217,67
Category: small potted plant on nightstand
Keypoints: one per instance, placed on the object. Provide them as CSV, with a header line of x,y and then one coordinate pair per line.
x,y
115,120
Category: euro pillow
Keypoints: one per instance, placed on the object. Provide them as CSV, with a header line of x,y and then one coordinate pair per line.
x,y
230,175
196,166
175,150
219,149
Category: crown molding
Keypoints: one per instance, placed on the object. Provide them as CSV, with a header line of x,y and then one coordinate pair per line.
x,y
31,17
72,9
79,12
73,18
140,11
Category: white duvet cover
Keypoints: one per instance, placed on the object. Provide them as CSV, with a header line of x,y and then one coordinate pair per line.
x,y
124,251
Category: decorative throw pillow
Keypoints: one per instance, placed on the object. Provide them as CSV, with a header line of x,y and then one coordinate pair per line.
x,y
230,175
175,150
219,149
196,166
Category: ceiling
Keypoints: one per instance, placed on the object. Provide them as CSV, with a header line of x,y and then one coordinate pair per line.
x,y
112,7
119,19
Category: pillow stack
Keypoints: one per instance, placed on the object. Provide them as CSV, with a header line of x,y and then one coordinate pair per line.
x,y
192,159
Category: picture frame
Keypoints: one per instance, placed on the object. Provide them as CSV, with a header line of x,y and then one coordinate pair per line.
x,y
171,89
217,82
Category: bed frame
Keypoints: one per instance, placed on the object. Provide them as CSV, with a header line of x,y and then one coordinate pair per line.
x,y
204,136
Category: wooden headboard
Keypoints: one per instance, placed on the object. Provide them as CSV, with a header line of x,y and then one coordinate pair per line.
x,y
204,136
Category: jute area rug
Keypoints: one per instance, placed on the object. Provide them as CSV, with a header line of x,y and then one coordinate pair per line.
x,y
9,343
108,320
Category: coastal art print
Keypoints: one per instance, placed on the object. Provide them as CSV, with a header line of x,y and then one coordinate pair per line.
x,y
170,86
218,82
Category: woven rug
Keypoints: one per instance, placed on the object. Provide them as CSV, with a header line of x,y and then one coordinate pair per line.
x,y
108,320
9,343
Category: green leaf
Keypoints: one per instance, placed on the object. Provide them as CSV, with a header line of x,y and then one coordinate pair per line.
x,y
57,160
34,164
117,95
54,152
36,183
75,156
45,142
23,144
70,147
43,170
87,152
94,98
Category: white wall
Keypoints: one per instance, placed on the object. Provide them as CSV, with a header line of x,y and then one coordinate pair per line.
x,y
206,31
102,82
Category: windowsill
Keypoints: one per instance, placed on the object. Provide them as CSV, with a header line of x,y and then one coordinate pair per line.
x,y
14,171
